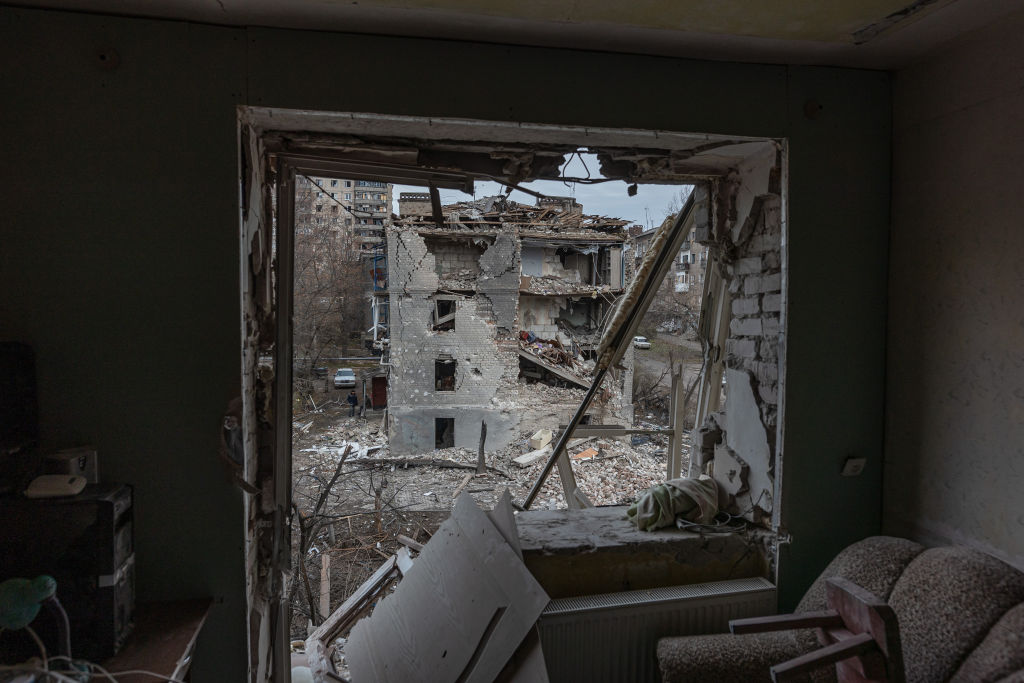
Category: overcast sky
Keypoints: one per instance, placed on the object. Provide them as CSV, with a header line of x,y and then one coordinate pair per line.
x,y
647,208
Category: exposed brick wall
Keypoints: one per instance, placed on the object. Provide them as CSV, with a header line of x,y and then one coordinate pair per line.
x,y
454,257
756,286
739,219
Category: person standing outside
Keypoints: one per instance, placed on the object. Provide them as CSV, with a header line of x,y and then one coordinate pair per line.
x,y
353,401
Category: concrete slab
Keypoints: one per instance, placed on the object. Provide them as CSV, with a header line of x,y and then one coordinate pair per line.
x,y
598,550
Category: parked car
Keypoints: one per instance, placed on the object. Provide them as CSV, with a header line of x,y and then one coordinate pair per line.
x,y
641,343
344,378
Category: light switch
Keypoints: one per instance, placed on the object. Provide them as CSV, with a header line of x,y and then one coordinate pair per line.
x,y
853,466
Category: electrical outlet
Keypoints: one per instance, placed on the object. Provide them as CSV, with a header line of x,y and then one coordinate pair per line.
x,y
853,466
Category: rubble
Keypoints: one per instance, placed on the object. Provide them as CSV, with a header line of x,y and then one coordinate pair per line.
x,y
614,475
552,284
385,500
554,352
491,212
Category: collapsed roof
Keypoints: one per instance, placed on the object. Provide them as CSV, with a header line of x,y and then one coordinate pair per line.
x,y
552,216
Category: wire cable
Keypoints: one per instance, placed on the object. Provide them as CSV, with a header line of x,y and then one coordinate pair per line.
x,y
113,675
328,196
46,674
39,643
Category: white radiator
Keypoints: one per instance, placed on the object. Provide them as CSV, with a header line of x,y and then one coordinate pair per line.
x,y
613,637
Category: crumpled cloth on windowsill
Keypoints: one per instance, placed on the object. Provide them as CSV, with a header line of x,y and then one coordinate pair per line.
x,y
693,499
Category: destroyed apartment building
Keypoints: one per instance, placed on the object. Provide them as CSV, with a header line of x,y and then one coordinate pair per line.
x,y
496,302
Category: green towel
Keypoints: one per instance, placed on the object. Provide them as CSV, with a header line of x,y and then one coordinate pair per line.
x,y
694,499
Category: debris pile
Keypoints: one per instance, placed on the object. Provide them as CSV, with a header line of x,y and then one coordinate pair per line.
x,y
495,212
561,359
553,284
550,350
610,471
463,280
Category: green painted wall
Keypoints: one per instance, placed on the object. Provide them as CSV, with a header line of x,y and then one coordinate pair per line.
x,y
118,245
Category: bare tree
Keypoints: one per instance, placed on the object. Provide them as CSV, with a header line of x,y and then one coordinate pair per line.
x,y
671,305
330,280
677,202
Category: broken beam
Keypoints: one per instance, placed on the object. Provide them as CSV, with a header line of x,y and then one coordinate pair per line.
x,y
611,430
435,205
554,369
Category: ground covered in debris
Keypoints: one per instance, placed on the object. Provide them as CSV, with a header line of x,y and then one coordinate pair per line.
x,y
368,497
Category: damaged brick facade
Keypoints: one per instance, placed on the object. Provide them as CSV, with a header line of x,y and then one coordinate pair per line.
x,y
477,264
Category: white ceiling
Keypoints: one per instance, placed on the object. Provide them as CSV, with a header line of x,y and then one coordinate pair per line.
x,y
864,33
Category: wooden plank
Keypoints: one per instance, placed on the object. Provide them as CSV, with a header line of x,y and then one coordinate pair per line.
x,y
863,611
325,584
676,417
481,465
462,485
713,329
339,617
435,205
527,459
785,622
794,669
409,543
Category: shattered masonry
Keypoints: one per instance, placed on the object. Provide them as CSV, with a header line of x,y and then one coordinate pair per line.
x,y
503,294
747,247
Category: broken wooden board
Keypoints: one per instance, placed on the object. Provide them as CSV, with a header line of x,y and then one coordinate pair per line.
x,y
527,459
409,543
318,643
466,605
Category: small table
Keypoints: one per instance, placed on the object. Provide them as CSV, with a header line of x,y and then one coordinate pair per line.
x,y
164,638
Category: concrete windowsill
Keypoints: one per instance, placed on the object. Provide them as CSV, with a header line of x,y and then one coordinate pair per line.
x,y
598,550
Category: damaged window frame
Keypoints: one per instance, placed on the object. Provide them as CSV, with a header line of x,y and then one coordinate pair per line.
x,y
275,144
442,364
442,316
